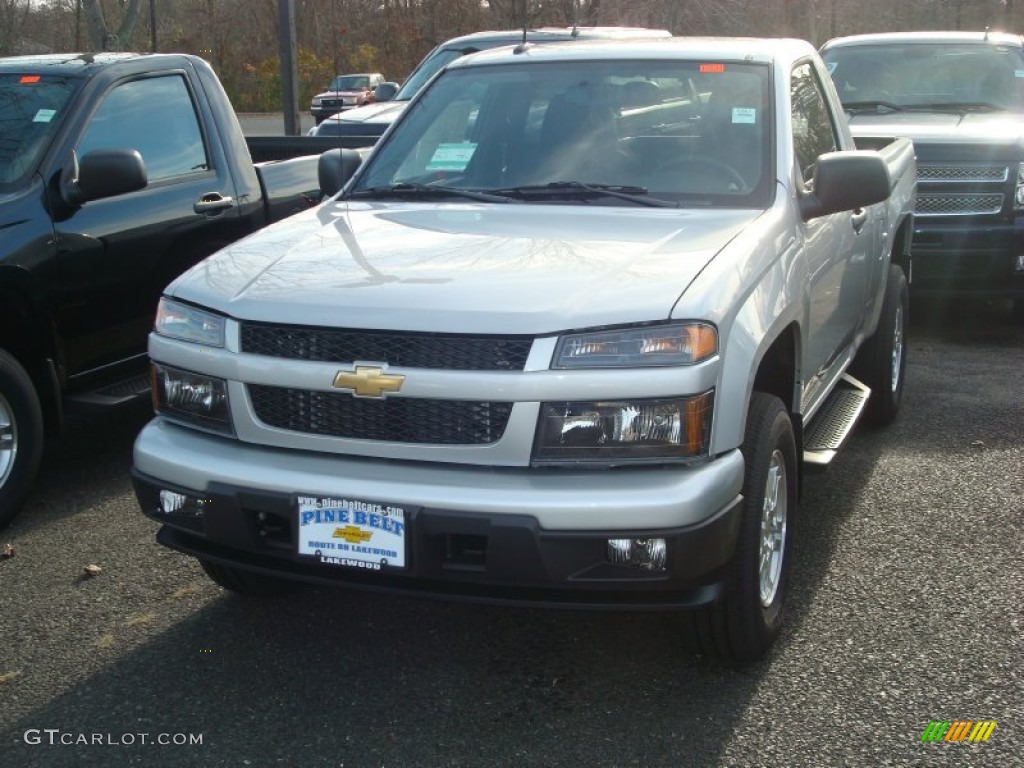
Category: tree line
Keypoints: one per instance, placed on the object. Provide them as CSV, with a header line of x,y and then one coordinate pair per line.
x,y
240,37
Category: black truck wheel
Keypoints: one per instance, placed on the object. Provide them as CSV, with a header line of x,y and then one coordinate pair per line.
x,y
742,626
882,361
246,582
21,436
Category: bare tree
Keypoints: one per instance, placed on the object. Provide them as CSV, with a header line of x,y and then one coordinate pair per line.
x,y
102,36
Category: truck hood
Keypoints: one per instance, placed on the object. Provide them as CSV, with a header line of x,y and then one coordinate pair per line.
x,y
458,268
385,112
336,94
942,127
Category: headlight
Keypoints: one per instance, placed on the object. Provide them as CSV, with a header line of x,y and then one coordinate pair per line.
x,y
200,400
1018,196
619,431
185,322
316,102
681,344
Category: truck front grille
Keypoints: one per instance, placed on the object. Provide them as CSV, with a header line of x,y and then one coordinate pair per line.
x,y
395,419
961,173
339,345
958,205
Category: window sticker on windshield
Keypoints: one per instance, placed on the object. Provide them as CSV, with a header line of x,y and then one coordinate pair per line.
x,y
746,115
451,157
44,115
1018,73
831,66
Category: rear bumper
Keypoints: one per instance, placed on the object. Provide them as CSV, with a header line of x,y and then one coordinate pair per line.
x,y
967,259
480,552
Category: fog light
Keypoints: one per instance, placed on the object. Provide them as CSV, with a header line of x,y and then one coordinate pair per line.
x,y
171,502
182,510
648,554
1019,266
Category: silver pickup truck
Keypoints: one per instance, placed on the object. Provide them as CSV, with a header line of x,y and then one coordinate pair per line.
x,y
568,336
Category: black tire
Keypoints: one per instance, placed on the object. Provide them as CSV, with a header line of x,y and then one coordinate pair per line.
x,y
881,363
21,436
247,583
741,627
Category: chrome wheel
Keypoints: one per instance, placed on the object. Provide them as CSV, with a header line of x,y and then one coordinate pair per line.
x,y
897,350
773,529
8,440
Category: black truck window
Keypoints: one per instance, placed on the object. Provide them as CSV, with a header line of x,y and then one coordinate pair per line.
x,y
156,116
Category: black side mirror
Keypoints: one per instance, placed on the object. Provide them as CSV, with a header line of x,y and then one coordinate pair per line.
x,y
102,173
844,181
385,91
335,168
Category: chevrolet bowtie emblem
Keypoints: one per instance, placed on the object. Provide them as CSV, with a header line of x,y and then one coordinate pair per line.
x,y
368,381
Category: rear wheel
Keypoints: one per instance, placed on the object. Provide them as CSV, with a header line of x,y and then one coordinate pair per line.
x,y
743,625
246,582
882,361
21,436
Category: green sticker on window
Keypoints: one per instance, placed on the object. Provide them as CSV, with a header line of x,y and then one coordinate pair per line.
x,y
451,157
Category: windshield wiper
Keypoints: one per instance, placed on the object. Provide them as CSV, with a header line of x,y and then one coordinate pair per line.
x,y
425,190
959,107
583,191
871,106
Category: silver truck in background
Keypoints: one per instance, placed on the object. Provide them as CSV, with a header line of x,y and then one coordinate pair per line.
x,y
568,337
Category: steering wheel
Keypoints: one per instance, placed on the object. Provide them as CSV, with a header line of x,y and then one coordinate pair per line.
x,y
710,165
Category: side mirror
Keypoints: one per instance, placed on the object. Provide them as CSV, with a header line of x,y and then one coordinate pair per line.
x,y
385,91
844,181
335,168
102,173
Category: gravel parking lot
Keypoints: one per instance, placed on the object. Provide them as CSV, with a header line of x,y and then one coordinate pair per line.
x,y
906,609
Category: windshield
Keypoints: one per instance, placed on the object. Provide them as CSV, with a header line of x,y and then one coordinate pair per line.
x,y
429,67
684,132
934,76
349,83
30,108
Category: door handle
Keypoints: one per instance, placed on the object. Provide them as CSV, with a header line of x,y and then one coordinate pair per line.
x,y
213,202
858,219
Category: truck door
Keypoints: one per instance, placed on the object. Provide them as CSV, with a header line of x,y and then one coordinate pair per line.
x,y
116,255
837,247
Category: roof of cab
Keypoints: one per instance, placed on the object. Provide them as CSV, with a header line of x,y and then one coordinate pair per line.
x,y
71,64
512,36
782,51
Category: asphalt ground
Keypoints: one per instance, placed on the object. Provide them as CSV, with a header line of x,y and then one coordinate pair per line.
x,y
905,609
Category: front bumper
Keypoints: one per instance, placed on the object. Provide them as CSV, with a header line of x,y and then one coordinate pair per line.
x,y
967,258
510,536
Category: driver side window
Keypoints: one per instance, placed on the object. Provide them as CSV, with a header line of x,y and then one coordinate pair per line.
x,y
156,116
813,132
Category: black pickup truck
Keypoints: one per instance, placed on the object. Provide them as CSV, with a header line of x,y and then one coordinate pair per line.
x,y
117,172
959,96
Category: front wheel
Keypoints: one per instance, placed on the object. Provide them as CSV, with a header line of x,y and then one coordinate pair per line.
x,y
743,625
21,436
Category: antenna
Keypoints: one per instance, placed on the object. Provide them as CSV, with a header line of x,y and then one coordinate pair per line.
x,y
524,22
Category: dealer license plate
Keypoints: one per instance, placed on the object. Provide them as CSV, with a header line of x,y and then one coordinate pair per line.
x,y
350,533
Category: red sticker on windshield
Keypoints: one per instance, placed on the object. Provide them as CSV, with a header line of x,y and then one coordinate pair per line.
x,y
29,79
712,67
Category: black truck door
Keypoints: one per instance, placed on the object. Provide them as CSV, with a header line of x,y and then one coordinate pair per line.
x,y
116,255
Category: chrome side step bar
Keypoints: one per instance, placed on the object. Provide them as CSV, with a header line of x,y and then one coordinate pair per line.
x,y
832,424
